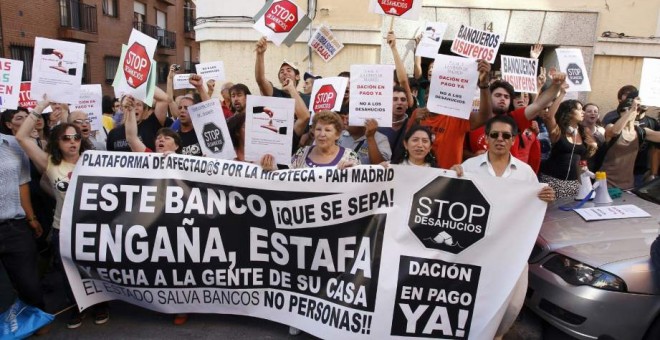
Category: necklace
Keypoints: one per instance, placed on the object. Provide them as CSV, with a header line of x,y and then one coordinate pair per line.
x,y
405,116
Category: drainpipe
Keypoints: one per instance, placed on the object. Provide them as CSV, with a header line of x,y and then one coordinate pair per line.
x,y
311,13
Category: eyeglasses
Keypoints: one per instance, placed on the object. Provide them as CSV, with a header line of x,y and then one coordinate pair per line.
x,y
74,137
82,121
505,135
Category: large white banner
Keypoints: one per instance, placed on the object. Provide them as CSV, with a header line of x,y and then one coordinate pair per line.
x,y
371,94
269,128
10,83
571,62
57,69
649,86
364,252
453,81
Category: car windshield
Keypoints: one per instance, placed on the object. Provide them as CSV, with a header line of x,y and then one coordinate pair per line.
x,y
650,191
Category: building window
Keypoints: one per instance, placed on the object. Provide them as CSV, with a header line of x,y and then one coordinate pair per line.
x,y
163,71
110,8
188,17
111,65
25,54
85,74
139,12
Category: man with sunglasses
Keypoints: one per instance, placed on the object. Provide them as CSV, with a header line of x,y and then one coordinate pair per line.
x,y
497,161
81,120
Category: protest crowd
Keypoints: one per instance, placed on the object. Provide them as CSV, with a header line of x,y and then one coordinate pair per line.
x,y
528,137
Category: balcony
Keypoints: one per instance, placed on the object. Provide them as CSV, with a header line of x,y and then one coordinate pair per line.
x,y
169,2
166,39
77,21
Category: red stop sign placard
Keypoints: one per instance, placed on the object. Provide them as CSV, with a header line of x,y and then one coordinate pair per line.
x,y
136,65
325,99
396,7
282,16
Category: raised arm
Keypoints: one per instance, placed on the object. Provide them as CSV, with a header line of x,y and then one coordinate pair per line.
x,y
174,110
265,86
479,118
400,68
130,124
546,97
161,103
627,114
549,117
302,113
417,68
38,156
197,81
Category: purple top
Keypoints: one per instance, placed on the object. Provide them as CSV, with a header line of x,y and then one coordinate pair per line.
x,y
311,164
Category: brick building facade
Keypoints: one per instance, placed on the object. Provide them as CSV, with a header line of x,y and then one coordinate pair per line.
x,y
103,26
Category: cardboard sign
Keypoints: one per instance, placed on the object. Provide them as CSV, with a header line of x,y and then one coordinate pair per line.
x,y
182,81
520,72
269,128
325,44
649,86
136,74
211,129
477,44
57,69
214,70
10,83
281,21
327,94
452,86
90,102
572,63
371,94
406,9
431,40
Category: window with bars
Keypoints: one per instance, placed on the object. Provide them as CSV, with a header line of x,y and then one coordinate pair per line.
x,y
111,65
25,54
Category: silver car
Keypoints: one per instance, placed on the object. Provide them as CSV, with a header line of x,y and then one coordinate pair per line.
x,y
595,280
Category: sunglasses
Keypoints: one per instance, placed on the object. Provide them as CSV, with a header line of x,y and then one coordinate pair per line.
x,y
75,137
505,135
82,121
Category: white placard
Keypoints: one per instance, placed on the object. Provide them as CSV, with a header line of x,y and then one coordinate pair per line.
x,y
452,86
281,21
613,212
211,130
477,44
371,94
325,43
10,83
571,62
213,70
90,102
432,34
327,94
520,72
269,128
649,86
57,69
182,81
405,9
135,74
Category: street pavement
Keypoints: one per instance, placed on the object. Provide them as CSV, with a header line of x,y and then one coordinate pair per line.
x,y
131,322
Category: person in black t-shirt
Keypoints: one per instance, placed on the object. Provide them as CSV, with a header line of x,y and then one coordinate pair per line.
x,y
148,122
190,144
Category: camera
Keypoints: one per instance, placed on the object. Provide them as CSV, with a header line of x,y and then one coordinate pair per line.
x,y
177,67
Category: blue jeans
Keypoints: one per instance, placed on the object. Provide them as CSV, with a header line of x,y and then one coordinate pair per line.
x,y
18,254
